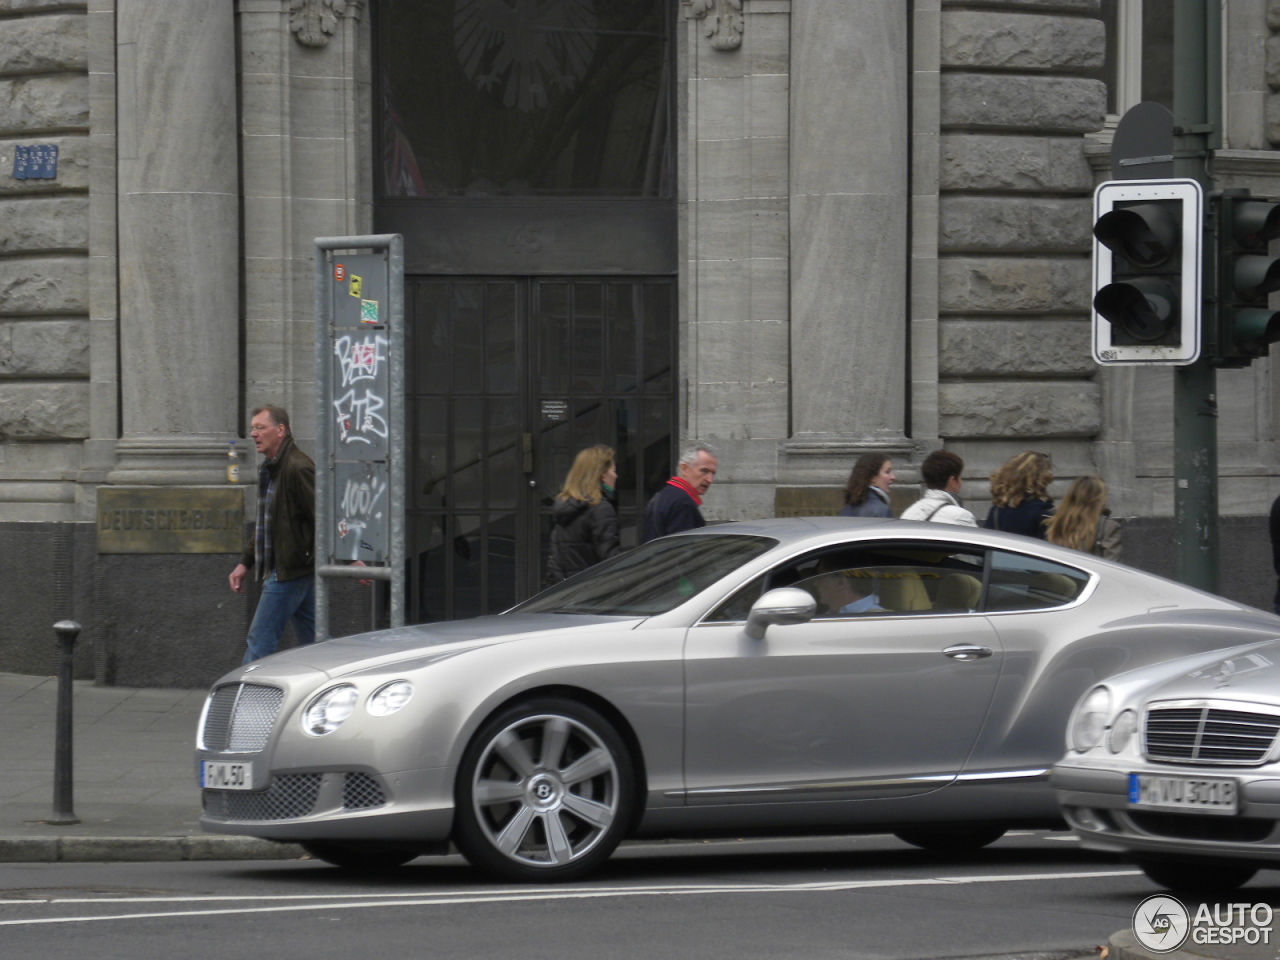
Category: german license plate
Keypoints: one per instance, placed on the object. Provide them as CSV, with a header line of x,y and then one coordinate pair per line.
x,y
219,775
1201,794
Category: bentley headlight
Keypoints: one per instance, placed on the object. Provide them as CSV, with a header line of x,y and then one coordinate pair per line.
x,y
1122,731
389,698
326,712
1089,720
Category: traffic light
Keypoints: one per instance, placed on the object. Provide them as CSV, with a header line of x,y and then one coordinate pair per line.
x,y
1247,275
1146,271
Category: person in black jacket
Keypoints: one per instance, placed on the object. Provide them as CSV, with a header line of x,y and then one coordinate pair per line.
x,y
1020,501
584,527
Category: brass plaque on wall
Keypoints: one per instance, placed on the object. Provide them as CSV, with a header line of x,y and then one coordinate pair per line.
x,y
170,519
808,501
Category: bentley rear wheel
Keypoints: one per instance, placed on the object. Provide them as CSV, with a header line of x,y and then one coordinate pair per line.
x,y
952,839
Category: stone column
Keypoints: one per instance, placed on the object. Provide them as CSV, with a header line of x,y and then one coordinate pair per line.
x,y
849,203
179,240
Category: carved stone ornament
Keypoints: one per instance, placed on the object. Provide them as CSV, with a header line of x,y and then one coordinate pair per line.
x,y
724,19
313,22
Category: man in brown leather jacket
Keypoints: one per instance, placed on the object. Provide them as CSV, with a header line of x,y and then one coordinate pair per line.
x,y
282,547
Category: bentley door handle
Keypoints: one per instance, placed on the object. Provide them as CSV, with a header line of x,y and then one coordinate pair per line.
x,y
967,651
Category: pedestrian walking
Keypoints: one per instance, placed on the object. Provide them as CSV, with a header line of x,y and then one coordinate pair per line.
x,y
867,492
1020,501
1082,520
584,517
281,549
676,506
941,471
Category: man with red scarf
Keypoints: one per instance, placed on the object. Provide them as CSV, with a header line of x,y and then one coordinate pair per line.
x,y
675,506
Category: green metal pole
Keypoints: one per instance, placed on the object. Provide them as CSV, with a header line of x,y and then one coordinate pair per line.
x,y
1196,116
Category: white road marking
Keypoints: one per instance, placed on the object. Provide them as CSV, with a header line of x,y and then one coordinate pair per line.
x,y
368,901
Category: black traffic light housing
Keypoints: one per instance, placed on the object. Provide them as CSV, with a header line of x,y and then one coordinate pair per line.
x,y
1247,275
1146,271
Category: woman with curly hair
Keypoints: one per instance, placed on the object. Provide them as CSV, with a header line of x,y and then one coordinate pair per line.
x,y
584,520
867,492
1020,501
1083,521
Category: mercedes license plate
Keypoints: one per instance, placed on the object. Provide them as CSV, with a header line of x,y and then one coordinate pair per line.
x,y
219,775
1201,794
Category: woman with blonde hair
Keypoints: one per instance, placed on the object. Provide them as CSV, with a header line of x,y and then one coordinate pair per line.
x,y
1083,521
1020,501
584,520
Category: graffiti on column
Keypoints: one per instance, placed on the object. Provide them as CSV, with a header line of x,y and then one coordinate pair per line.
x,y
360,412
362,508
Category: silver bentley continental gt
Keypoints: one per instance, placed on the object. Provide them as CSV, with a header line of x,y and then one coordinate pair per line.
x,y
797,675
1177,766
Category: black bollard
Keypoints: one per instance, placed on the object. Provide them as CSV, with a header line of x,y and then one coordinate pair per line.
x,y
67,631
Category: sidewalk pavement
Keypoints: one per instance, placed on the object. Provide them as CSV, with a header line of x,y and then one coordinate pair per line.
x,y
134,785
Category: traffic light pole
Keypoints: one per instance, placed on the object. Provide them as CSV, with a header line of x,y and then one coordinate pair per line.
x,y
1197,102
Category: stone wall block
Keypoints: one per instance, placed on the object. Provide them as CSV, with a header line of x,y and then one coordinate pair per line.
x,y
1035,410
984,162
44,286
44,348
37,225
985,286
1272,113
1005,102
30,105
1014,225
44,45
1015,348
73,166
44,411
1273,61
1016,41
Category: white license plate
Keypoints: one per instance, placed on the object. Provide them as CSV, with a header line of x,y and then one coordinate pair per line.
x,y
1204,795
219,775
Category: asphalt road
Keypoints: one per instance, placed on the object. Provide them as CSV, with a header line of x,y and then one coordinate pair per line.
x,y
1029,896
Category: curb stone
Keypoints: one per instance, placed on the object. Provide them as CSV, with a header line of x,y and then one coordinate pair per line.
x,y
99,849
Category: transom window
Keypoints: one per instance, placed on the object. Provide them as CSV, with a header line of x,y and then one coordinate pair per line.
x,y
523,98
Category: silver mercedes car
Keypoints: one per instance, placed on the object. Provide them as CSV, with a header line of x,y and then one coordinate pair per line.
x,y
794,675
1177,766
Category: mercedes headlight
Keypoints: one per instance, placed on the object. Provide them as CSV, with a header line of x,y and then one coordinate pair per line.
x,y
325,713
1089,720
389,698
1122,731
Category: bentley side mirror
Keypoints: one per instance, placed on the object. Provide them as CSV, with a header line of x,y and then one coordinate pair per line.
x,y
783,605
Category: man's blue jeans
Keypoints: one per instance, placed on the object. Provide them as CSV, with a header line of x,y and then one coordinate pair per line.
x,y
282,601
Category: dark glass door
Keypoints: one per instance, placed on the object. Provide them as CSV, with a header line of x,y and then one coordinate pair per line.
x,y
508,377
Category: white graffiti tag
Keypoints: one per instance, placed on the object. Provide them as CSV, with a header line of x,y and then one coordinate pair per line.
x,y
358,416
360,358
359,504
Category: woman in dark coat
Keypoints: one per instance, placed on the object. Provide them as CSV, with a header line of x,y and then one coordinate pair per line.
x,y
867,492
584,520
1020,501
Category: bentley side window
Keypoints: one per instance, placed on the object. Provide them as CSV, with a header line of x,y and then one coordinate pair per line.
x,y
879,579
1020,582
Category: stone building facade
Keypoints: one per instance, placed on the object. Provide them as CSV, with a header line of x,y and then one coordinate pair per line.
x,y
881,214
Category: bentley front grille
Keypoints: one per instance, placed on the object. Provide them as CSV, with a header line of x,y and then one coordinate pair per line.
x,y
240,717
1207,734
